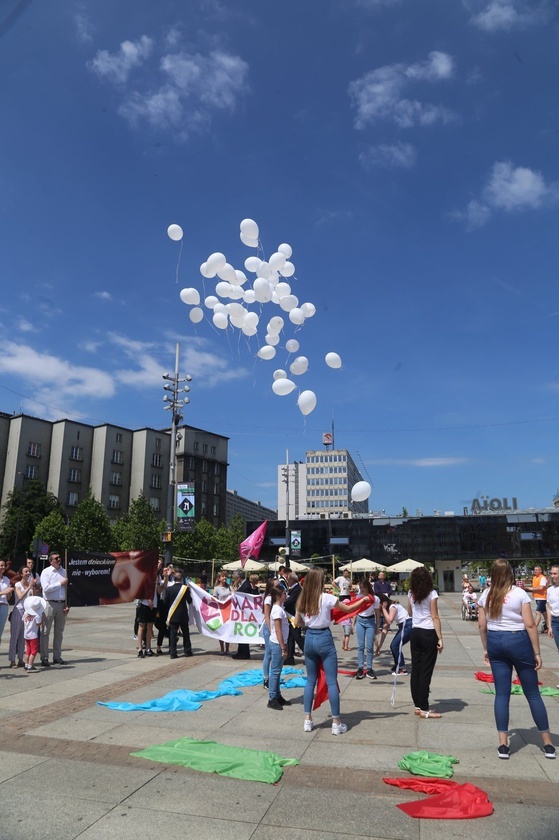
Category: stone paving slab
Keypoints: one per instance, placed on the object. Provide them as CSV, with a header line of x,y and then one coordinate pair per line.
x,y
137,823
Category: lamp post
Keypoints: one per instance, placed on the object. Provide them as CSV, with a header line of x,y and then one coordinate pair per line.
x,y
175,405
23,480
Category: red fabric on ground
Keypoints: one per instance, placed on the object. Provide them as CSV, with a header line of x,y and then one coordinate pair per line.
x,y
449,800
482,677
346,672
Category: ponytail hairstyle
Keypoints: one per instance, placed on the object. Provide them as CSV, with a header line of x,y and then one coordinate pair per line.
x,y
502,579
308,602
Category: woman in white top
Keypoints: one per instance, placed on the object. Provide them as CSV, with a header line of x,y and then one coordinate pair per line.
x,y
366,625
393,611
6,590
266,629
314,611
279,631
221,591
426,639
510,640
22,589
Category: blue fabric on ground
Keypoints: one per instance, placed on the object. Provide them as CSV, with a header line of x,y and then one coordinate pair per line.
x,y
183,700
295,682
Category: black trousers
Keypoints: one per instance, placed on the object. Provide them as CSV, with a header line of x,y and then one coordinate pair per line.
x,y
295,637
173,635
423,647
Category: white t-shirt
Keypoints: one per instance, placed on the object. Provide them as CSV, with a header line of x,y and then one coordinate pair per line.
x,y
4,584
468,597
344,585
511,614
553,600
31,627
324,615
278,612
401,613
421,612
370,610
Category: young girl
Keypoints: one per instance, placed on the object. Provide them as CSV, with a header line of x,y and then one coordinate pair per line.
x,y
366,624
34,609
221,591
265,629
279,631
394,611
347,624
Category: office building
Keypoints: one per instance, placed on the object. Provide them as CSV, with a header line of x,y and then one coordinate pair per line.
x,y
249,510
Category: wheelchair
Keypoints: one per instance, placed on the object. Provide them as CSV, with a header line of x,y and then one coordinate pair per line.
x,y
469,612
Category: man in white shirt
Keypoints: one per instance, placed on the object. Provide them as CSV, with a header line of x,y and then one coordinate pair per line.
x,y
343,584
54,583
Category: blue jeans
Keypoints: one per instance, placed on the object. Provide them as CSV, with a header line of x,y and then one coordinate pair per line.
x,y
505,651
404,633
320,647
365,627
265,633
275,671
4,610
555,629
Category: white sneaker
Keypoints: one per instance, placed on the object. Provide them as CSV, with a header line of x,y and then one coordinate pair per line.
x,y
307,726
338,728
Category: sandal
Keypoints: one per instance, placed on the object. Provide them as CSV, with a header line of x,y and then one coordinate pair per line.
x,y
417,711
429,714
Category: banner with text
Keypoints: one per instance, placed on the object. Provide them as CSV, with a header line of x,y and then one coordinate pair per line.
x,y
117,577
235,619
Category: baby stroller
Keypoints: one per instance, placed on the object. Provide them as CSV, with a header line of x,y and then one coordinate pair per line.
x,y
469,611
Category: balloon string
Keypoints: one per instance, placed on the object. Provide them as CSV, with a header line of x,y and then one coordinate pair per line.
x,y
178,263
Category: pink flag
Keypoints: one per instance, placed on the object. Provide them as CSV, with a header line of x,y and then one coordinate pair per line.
x,y
252,545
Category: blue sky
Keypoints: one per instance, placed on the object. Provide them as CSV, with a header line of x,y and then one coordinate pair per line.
x,y
406,151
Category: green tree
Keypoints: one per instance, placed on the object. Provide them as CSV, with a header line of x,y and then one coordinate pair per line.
x,y
405,512
198,544
90,527
23,511
229,537
118,533
140,528
53,531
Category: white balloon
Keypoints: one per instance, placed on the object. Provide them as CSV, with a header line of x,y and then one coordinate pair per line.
x,y
292,345
249,228
220,307
227,273
204,269
252,263
215,262
267,352
249,296
248,241
309,309
288,303
249,330
237,321
220,320
360,491
288,270
251,319
210,301
333,360
282,387
196,315
296,315
191,296
263,270
223,288
236,292
262,290
272,339
241,277
283,289
277,261
273,279
275,324
299,366
286,249
174,232
280,374
236,309
306,402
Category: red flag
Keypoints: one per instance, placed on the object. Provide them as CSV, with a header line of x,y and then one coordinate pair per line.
x,y
321,688
338,615
252,545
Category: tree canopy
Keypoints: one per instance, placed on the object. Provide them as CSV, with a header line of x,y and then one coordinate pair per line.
x,y
23,511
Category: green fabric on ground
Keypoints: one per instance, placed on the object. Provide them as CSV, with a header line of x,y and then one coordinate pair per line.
x,y
211,757
546,691
423,763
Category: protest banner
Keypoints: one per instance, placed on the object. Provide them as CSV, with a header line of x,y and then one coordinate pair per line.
x,y
235,619
116,577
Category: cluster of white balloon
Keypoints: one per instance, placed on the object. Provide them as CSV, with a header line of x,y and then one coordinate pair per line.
x,y
269,287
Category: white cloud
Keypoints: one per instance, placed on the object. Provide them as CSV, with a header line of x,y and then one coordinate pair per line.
x,y
24,325
179,90
117,67
379,94
504,15
398,154
509,189
103,295
84,27
419,462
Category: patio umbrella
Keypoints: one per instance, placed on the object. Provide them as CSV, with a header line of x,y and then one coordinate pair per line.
x,y
250,566
293,565
405,566
363,565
